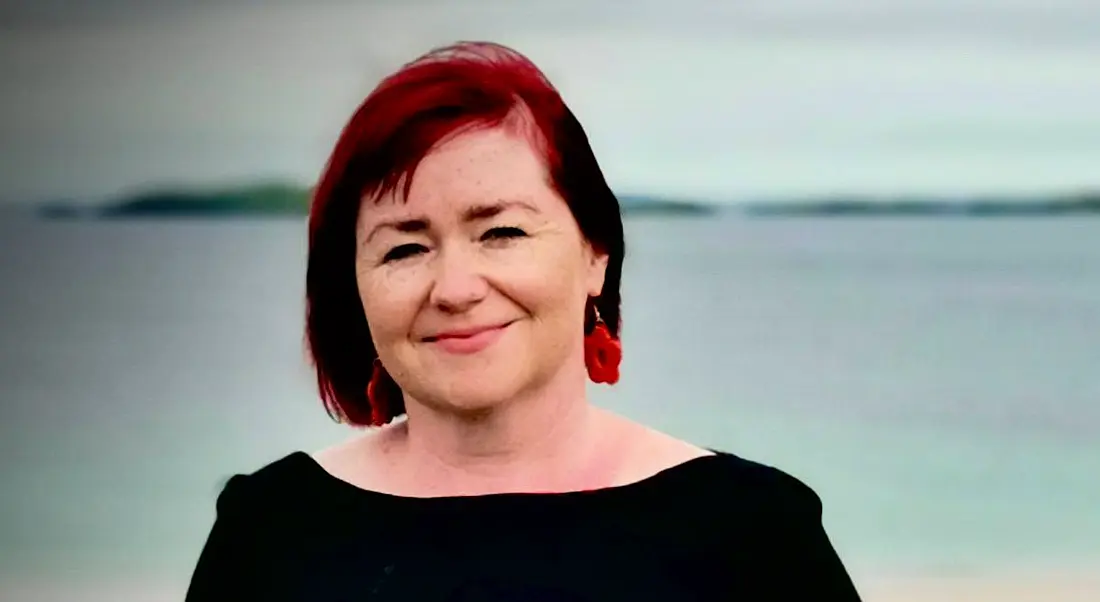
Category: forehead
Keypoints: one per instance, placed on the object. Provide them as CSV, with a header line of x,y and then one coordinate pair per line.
x,y
478,167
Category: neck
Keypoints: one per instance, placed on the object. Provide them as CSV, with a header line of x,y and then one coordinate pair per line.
x,y
530,444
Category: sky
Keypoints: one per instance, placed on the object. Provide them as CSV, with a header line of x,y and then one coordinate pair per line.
x,y
732,101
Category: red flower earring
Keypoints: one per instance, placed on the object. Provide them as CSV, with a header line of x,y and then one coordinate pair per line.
x,y
602,353
379,408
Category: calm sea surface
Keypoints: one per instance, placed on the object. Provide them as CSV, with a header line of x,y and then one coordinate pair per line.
x,y
937,382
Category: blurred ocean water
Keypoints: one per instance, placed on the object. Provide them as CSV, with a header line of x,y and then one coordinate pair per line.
x,y
936,381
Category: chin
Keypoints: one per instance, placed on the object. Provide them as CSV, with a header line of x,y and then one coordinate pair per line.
x,y
471,390
479,395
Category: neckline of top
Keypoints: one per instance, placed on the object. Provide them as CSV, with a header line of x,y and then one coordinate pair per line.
x,y
675,473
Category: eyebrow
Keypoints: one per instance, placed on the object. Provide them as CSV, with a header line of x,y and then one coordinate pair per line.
x,y
472,214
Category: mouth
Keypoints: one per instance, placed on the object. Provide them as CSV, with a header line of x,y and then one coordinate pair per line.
x,y
464,333
467,340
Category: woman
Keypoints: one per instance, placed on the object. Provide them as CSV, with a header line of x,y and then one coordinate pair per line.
x,y
463,285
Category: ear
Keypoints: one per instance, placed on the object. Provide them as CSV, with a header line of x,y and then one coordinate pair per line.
x,y
596,270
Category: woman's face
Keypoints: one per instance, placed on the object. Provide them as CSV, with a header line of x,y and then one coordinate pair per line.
x,y
474,287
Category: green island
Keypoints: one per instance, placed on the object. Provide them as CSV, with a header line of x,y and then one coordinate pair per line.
x,y
279,199
1054,205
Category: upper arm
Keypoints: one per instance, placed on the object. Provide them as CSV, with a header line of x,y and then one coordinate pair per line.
x,y
223,566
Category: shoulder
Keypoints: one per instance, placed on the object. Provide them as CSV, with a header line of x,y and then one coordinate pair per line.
x,y
728,511
776,522
746,510
717,478
248,506
771,482
280,483
752,492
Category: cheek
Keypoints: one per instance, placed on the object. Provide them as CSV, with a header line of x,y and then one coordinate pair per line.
x,y
389,299
546,279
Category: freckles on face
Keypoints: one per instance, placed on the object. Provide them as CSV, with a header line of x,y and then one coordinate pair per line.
x,y
494,170
483,238
391,292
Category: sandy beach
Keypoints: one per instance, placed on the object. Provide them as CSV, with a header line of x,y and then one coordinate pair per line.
x,y
1068,586
1075,586
91,592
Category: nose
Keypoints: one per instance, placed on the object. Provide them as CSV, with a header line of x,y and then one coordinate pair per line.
x,y
459,284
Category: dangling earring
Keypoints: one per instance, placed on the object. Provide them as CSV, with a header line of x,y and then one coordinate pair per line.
x,y
379,409
602,353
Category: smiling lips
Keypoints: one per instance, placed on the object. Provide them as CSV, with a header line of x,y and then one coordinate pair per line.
x,y
466,341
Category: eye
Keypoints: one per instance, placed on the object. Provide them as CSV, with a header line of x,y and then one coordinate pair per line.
x,y
402,251
503,233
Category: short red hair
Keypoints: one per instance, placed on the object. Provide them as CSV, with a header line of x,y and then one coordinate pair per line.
x,y
447,91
